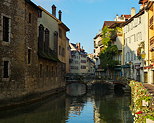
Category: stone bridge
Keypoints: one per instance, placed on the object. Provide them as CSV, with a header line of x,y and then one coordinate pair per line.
x,y
89,84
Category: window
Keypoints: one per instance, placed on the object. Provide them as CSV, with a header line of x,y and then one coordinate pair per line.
x,y
129,40
126,41
6,69
41,38
39,13
55,41
83,67
139,20
52,72
63,52
56,71
134,56
128,56
137,37
59,50
47,71
46,43
30,18
140,35
83,61
40,70
5,29
60,33
29,56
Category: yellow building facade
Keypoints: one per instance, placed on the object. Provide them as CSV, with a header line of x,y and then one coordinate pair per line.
x,y
149,76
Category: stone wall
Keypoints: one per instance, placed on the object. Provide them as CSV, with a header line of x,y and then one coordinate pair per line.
x,y
21,52
14,50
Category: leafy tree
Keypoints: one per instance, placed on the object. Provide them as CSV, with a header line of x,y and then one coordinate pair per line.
x,y
109,50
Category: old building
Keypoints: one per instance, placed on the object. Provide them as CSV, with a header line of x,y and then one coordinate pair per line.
x,y
18,52
68,55
149,48
80,63
75,59
117,40
135,37
29,53
51,69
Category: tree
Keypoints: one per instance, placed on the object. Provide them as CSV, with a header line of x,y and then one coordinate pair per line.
x,y
109,50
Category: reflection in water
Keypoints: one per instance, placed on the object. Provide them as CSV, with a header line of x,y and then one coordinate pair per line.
x,y
76,89
94,107
48,111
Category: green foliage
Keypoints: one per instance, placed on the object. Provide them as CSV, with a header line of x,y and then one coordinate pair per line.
x,y
140,93
106,57
108,51
106,36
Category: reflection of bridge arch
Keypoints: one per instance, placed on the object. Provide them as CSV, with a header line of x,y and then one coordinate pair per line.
x,y
76,88
109,85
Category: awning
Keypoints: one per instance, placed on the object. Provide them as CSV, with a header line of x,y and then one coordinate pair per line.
x,y
148,67
125,66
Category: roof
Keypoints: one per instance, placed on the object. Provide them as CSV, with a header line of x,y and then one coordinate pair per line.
x,y
126,16
63,25
141,12
99,34
142,1
117,24
150,3
108,23
59,22
48,13
72,46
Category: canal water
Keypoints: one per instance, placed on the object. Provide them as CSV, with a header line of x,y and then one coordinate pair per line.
x,y
97,106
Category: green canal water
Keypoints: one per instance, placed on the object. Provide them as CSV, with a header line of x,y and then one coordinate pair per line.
x,y
94,107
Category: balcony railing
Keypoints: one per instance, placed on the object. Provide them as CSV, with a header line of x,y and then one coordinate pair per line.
x,y
152,40
96,45
99,43
151,22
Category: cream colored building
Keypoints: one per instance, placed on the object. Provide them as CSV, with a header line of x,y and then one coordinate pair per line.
x,y
135,37
149,54
58,42
80,63
48,21
74,59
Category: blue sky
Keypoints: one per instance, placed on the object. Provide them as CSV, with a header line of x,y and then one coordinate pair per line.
x,y
85,17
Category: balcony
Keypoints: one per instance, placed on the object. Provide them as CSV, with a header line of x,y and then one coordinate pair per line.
x,y
151,22
152,41
95,45
100,43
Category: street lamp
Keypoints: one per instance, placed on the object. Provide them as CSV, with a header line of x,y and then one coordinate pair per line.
x,y
143,55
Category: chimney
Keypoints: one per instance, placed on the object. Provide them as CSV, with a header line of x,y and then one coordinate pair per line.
x,y
54,10
133,11
60,15
79,46
116,19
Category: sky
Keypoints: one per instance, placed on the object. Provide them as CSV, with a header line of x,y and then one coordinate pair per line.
x,y
86,17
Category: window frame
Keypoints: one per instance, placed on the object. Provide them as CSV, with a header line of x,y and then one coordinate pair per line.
x,y
9,69
9,30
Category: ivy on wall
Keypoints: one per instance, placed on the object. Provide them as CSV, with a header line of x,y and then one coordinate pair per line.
x,y
109,50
